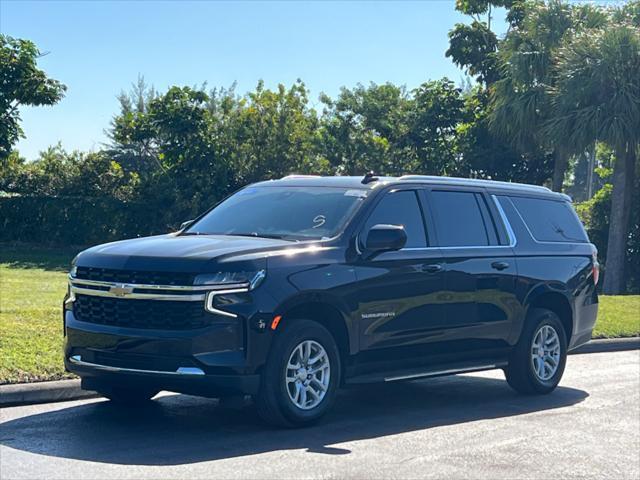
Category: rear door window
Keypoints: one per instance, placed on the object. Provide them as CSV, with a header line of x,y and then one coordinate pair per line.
x,y
458,219
401,208
550,220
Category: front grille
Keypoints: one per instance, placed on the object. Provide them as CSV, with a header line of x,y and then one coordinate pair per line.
x,y
147,314
133,276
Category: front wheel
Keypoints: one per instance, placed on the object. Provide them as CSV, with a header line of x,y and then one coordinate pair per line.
x,y
301,377
537,362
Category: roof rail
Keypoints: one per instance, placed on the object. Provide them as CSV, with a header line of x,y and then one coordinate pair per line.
x,y
294,175
475,181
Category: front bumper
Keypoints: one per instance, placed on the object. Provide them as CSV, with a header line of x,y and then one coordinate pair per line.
x,y
188,380
212,361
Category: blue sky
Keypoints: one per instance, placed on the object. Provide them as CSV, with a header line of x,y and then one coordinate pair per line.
x,y
99,48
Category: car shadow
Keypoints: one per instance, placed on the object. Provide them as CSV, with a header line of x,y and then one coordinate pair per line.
x,y
180,429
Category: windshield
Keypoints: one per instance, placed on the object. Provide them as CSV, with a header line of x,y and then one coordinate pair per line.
x,y
296,213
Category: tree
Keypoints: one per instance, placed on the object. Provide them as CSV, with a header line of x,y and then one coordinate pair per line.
x,y
57,172
437,109
272,133
21,83
474,47
365,129
131,135
520,103
483,154
597,96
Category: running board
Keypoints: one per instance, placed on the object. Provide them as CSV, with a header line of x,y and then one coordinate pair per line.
x,y
416,373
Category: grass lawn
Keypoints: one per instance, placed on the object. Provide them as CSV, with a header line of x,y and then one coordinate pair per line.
x,y
32,285
33,282
618,316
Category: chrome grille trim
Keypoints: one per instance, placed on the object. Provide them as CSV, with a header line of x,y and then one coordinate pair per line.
x,y
145,286
139,296
184,293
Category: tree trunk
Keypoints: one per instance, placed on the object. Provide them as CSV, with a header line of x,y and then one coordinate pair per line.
x,y
560,164
623,178
592,170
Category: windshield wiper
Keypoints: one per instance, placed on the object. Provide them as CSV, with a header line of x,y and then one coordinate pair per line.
x,y
258,235
262,235
252,234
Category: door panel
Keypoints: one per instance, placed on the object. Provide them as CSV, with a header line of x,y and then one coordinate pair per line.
x,y
481,274
401,298
482,303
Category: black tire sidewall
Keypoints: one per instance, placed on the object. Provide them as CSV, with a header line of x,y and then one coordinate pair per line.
x,y
297,332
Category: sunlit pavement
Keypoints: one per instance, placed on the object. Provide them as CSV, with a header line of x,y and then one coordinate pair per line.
x,y
470,426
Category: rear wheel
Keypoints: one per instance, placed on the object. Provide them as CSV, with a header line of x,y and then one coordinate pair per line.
x,y
537,362
128,395
301,376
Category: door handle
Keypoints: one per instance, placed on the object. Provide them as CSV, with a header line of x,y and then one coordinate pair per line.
x,y
500,265
433,268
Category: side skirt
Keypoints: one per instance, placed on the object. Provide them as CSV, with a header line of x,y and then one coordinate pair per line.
x,y
426,372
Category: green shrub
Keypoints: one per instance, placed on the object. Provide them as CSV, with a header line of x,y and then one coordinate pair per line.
x,y
594,214
76,220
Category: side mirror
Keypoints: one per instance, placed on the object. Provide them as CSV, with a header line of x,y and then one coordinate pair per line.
x,y
184,225
382,238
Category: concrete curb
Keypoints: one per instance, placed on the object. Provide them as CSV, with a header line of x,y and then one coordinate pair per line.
x,y
609,345
66,390
42,392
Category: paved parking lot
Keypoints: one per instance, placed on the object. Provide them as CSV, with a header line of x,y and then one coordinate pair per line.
x,y
468,426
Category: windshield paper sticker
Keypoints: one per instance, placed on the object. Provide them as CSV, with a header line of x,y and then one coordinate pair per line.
x,y
355,193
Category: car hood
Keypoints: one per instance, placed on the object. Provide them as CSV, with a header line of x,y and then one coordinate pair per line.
x,y
192,253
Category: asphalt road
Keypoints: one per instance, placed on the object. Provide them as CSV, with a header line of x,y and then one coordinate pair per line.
x,y
468,426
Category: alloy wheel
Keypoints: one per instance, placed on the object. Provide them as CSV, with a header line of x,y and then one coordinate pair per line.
x,y
545,353
308,372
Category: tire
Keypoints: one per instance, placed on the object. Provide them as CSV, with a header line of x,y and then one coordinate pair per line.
x,y
128,395
535,376
276,400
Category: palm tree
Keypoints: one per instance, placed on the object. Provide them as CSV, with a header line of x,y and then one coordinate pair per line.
x,y
520,102
597,95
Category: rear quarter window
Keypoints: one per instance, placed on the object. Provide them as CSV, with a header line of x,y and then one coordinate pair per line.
x,y
550,220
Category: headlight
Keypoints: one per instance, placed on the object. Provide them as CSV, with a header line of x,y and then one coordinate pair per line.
x,y
251,279
74,271
232,286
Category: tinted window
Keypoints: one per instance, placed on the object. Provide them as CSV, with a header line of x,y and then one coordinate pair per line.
x,y
400,208
287,212
458,218
550,220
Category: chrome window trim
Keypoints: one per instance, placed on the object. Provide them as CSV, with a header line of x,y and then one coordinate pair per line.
x,y
459,247
77,360
513,241
510,233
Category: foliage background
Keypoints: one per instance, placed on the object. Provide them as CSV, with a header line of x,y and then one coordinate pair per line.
x,y
173,154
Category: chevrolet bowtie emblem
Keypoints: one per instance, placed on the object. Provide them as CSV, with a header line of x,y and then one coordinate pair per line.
x,y
120,290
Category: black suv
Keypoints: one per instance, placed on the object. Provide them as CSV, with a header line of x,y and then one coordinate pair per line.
x,y
288,289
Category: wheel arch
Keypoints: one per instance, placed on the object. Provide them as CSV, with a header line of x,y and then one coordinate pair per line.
x,y
328,312
558,303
